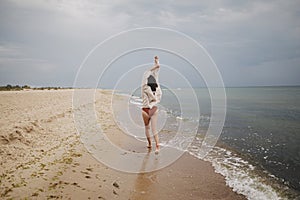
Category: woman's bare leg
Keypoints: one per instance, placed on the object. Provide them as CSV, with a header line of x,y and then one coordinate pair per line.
x,y
154,131
147,132
146,119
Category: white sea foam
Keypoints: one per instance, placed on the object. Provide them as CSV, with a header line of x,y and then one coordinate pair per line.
x,y
136,102
180,118
239,174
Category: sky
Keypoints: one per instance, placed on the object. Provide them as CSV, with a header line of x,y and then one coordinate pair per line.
x,y
253,43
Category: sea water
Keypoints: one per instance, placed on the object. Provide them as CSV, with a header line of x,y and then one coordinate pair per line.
x,y
258,151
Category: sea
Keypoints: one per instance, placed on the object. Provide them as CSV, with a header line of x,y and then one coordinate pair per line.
x,y
258,151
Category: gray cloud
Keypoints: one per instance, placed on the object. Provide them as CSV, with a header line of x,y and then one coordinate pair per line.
x,y
252,42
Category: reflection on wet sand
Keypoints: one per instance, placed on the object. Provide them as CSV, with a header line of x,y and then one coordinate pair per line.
x,y
146,181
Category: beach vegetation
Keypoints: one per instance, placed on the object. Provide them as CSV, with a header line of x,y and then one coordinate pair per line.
x,y
10,87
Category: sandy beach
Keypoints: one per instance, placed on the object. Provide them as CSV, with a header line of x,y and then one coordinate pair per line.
x,y
42,156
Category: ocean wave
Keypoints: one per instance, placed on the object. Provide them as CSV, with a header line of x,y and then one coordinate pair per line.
x,y
239,174
135,100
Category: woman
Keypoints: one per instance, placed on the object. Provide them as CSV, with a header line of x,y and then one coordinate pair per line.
x,y
151,95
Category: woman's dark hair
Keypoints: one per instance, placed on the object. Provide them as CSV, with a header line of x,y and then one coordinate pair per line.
x,y
152,83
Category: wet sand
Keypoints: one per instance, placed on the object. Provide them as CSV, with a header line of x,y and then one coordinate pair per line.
x,y
42,156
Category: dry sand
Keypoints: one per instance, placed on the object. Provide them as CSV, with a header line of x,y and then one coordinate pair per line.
x,y
43,158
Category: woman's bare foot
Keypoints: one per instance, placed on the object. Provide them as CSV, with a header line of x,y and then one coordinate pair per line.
x,y
157,149
149,143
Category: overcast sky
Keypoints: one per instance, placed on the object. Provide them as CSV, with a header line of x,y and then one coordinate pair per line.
x,y
42,43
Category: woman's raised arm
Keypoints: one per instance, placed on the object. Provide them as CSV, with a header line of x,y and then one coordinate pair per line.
x,y
156,65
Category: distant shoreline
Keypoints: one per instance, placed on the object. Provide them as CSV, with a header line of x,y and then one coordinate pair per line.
x,y
9,87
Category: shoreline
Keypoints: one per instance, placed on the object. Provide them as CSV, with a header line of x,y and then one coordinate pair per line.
x,y
42,157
